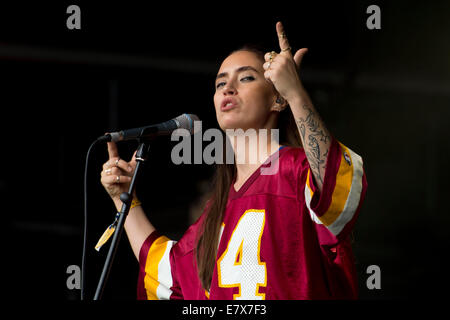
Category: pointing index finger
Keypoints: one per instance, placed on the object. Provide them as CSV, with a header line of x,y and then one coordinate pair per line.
x,y
112,150
282,39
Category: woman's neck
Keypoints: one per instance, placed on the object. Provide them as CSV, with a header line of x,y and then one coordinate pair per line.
x,y
251,150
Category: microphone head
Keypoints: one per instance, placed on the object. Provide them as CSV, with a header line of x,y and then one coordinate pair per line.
x,y
186,121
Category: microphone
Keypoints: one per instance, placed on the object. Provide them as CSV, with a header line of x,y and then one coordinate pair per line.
x,y
184,121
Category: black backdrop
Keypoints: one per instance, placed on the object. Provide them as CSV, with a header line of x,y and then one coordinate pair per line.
x,y
384,93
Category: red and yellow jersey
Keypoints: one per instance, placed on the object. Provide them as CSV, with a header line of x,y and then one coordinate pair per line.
x,y
280,239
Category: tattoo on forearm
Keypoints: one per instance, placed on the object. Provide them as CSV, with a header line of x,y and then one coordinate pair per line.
x,y
315,141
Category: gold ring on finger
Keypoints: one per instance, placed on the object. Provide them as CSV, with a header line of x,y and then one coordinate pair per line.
x,y
117,179
272,55
108,171
117,162
286,49
282,35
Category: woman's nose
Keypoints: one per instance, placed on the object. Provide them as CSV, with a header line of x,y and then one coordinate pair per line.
x,y
229,89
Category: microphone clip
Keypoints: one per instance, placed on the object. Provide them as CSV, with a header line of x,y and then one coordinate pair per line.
x,y
142,150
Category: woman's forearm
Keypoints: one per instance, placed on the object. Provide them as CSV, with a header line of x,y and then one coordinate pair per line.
x,y
315,136
137,226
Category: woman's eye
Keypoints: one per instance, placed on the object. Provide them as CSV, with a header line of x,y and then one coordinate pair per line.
x,y
220,84
248,78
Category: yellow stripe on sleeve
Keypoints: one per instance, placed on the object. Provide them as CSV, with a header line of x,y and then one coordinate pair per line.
x,y
346,194
154,256
342,188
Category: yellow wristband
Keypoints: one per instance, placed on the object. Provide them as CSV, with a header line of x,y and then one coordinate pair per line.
x,y
109,232
135,203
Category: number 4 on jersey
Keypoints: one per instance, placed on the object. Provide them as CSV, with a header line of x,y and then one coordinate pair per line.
x,y
240,264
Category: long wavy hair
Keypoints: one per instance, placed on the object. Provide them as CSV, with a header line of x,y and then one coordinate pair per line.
x,y
208,236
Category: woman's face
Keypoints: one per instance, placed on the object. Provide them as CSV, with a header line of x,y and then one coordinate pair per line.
x,y
243,97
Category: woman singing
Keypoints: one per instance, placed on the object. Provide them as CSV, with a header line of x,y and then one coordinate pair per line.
x,y
283,235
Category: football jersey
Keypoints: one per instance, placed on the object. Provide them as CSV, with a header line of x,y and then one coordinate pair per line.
x,y
280,238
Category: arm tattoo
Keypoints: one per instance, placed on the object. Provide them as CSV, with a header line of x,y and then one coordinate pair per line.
x,y
315,140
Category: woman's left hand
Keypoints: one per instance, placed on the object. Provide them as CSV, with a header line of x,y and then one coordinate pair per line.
x,y
282,69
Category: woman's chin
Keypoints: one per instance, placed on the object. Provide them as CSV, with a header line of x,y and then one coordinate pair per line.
x,y
231,125
231,121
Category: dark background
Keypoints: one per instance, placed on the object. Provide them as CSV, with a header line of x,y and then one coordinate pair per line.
x,y
383,93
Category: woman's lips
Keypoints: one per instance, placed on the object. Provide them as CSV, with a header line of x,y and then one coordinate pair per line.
x,y
228,104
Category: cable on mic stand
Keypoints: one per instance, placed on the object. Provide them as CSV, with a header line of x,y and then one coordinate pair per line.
x,y
83,259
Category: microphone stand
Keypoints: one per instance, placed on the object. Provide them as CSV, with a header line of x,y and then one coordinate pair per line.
x,y
126,198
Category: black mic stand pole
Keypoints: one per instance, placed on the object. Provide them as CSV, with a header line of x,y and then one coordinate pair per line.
x,y
126,198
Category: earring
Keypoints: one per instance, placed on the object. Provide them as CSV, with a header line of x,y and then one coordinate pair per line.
x,y
279,101
278,108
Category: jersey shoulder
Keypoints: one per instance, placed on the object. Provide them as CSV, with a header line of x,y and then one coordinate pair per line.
x,y
292,163
293,158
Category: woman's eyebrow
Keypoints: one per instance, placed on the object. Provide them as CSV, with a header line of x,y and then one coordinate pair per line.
x,y
240,69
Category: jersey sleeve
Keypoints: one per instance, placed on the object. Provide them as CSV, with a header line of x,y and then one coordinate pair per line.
x,y
156,280
335,208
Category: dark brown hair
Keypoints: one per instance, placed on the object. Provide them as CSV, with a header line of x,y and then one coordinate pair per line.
x,y
208,237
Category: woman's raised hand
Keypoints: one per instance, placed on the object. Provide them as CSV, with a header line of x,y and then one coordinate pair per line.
x,y
282,68
116,174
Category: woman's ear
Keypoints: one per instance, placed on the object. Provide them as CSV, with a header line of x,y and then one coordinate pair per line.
x,y
280,104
